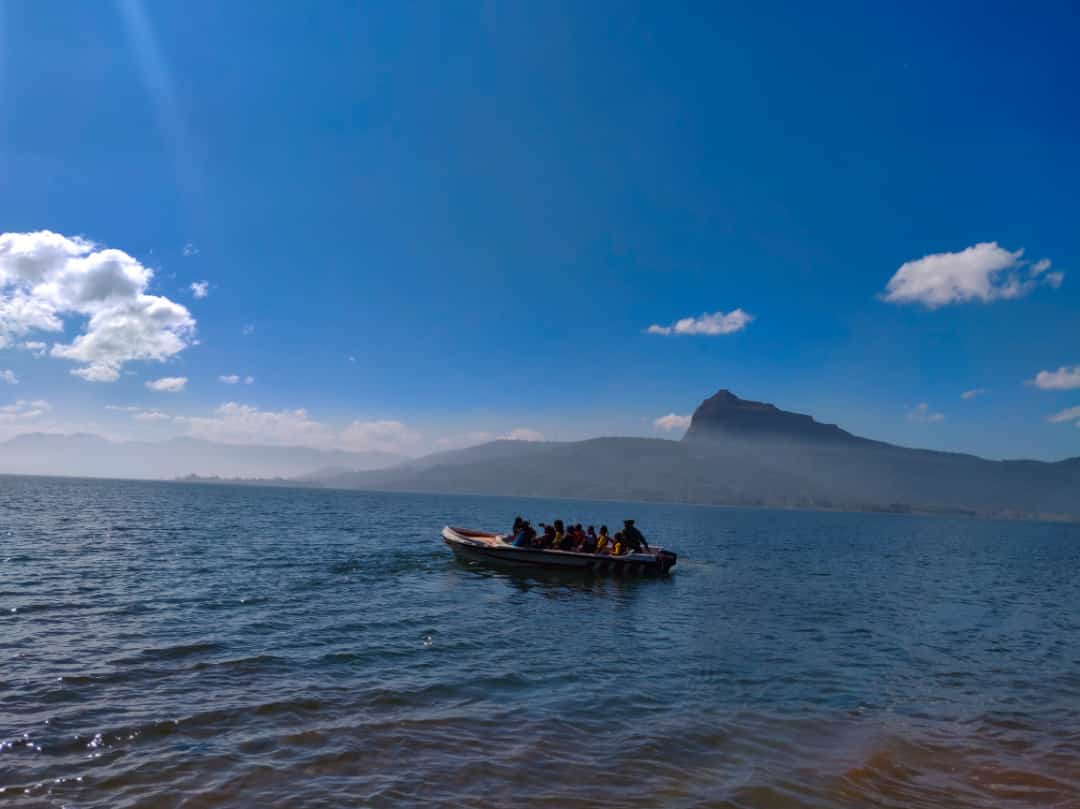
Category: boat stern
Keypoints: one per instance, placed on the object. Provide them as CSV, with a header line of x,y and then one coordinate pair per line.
x,y
666,559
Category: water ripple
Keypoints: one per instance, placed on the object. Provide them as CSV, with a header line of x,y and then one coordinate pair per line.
x,y
187,645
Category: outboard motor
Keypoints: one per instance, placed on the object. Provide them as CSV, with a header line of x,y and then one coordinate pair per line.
x,y
667,560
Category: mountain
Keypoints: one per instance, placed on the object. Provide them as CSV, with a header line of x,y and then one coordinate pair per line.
x,y
87,455
725,415
741,452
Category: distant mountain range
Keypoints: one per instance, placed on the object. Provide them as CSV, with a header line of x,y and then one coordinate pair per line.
x,y
88,455
735,452
740,452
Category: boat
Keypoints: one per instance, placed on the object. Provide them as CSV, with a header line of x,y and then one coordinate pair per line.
x,y
489,548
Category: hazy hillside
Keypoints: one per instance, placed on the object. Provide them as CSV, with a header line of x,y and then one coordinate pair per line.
x,y
94,456
740,452
735,452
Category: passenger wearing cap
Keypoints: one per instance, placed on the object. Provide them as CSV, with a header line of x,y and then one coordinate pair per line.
x,y
632,538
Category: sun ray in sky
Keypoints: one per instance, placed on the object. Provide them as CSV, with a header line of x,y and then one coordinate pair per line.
x,y
3,61
167,110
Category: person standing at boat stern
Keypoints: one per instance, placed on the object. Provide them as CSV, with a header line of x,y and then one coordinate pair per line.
x,y
633,539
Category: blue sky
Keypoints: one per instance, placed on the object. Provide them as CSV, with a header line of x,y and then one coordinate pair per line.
x,y
424,225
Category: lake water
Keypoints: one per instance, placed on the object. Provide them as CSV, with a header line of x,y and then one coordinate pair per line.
x,y
199,646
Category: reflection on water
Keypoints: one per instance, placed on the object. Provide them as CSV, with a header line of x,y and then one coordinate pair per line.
x,y
265,647
553,581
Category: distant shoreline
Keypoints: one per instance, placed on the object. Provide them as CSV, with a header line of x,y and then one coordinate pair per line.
x,y
285,483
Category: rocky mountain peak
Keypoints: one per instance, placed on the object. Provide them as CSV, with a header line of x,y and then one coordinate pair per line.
x,y
725,415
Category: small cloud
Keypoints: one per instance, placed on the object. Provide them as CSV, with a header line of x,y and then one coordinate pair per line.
x,y
984,272
922,413
1072,414
524,434
249,380
200,289
483,437
1064,378
97,373
7,375
971,394
671,422
249,329
707,324
229,379
24,409
168,384
152,415
386,435
34,347
190,250
123,408
235,423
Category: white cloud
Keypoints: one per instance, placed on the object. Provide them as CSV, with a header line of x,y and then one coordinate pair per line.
x,y
1072,414
477,437
140,413
709,324
385,435
97,373
1064,378
672,422
523,434
234,423
34,347
971,394
151,415
235,379
45,277
200,289
922,412
7,375
190,250
23,409
984,272
168,384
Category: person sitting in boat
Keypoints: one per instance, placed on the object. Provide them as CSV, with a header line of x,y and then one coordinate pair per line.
x,y
580,538
619,547
603,542
573,538
633,539
518,522
560,535
524,536
547,539
588,544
